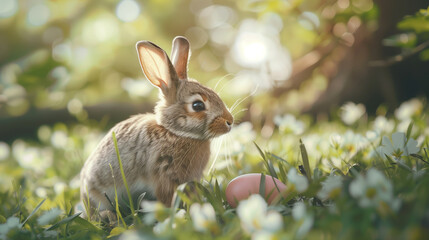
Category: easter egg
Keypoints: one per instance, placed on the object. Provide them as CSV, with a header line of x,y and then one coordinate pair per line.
x,y
243,186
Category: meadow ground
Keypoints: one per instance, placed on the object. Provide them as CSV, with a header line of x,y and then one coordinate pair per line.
x,y
353,177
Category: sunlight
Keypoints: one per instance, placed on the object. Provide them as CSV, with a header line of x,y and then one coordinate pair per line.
x,y
250,49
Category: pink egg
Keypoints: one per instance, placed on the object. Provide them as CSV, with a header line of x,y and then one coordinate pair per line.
x,y
243,186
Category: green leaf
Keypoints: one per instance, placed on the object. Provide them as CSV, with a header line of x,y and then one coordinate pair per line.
x,y
424,55
417,23
116,231
409,129
88,225
63,221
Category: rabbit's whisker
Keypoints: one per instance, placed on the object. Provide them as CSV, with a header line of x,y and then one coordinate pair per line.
x,y
228,155
218,144
242,110
240,100
221,79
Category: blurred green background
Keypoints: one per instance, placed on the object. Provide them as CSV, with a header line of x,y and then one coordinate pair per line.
x,y
75,61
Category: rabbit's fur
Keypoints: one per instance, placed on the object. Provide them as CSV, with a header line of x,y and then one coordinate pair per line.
x,y
158,151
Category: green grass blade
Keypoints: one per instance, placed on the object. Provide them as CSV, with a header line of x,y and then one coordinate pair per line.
x,y
216,202
282,170
118,212
218,192
280,159
262,186
64,221
33,212
271,169
305,159
123,177
260,151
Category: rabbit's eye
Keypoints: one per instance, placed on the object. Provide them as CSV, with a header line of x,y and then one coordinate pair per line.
x,y
198,106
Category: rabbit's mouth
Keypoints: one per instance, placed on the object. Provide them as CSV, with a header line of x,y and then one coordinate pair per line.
x,y
220,126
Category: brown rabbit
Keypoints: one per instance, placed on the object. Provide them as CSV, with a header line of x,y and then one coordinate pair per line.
x,y
163,150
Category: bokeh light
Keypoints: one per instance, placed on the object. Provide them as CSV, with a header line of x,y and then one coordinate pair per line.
x,y
38,15
8,8
127,10
250,49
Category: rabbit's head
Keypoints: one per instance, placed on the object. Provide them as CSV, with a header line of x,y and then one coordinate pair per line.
x,y
186,108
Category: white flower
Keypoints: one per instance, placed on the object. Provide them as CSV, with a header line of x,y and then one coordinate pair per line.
x,y
408,109
131,235
382,124
331,187
289,124
403,125
38,159
317,145
372,135
240,135
255,218
59,187
351,112
336,140
203,216
11,223
400,147
4,151
153,210
373,190
243,132
303,217
299,182
263,235
354,141
230,145
162,226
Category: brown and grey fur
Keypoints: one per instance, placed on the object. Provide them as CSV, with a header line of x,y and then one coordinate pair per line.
x,y
163,150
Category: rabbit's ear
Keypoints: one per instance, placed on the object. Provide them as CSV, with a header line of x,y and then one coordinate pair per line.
x,y
156,65
180,55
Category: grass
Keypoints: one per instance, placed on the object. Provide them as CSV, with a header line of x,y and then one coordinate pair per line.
x,y
340,185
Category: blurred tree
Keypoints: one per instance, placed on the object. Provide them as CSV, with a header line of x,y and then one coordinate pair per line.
x,y
363,79
68,61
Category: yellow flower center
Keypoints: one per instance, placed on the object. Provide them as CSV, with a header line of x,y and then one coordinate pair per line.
x,y
370,193
256,224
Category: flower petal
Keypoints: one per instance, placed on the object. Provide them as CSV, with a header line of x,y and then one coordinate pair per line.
x,y
399,140
387,147
272,222
411,147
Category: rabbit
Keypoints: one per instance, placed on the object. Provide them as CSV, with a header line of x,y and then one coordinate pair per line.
x,y
159,150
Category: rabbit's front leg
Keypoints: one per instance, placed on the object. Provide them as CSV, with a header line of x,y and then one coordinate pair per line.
x,y
164,192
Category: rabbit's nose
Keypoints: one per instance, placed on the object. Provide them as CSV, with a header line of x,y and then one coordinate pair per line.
x,y
229,119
